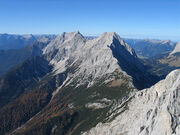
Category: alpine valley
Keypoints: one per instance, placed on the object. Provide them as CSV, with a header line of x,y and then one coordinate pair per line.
x,y
70,84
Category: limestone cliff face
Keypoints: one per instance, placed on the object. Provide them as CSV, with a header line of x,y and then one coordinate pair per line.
x,y
153,111
95,58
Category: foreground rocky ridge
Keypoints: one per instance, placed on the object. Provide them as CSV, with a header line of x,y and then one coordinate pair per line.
x,y
150,112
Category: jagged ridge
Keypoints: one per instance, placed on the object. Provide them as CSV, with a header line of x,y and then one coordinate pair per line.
x,y
95,57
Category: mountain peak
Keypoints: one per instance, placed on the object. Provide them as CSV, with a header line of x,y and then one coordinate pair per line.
x,y
65,40
69,35
114,38
95,58
110,35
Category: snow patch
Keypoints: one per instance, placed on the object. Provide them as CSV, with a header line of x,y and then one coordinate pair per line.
x,y
95,105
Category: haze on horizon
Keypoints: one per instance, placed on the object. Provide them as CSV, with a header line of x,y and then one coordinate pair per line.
x,y
158,19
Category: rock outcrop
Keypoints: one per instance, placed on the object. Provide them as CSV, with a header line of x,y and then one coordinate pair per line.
x,y
153,111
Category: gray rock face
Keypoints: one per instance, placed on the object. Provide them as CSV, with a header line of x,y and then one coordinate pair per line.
x,y
153,111
93,58
11,41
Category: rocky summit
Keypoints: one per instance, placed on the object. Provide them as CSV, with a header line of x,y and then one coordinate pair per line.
x,y
94,58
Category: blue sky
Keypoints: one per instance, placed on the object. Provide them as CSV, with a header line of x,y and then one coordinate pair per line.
x,y
129,18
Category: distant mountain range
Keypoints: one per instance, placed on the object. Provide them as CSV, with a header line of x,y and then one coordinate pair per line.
x,y
162,64
12,58
18,48
11,41
147,48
